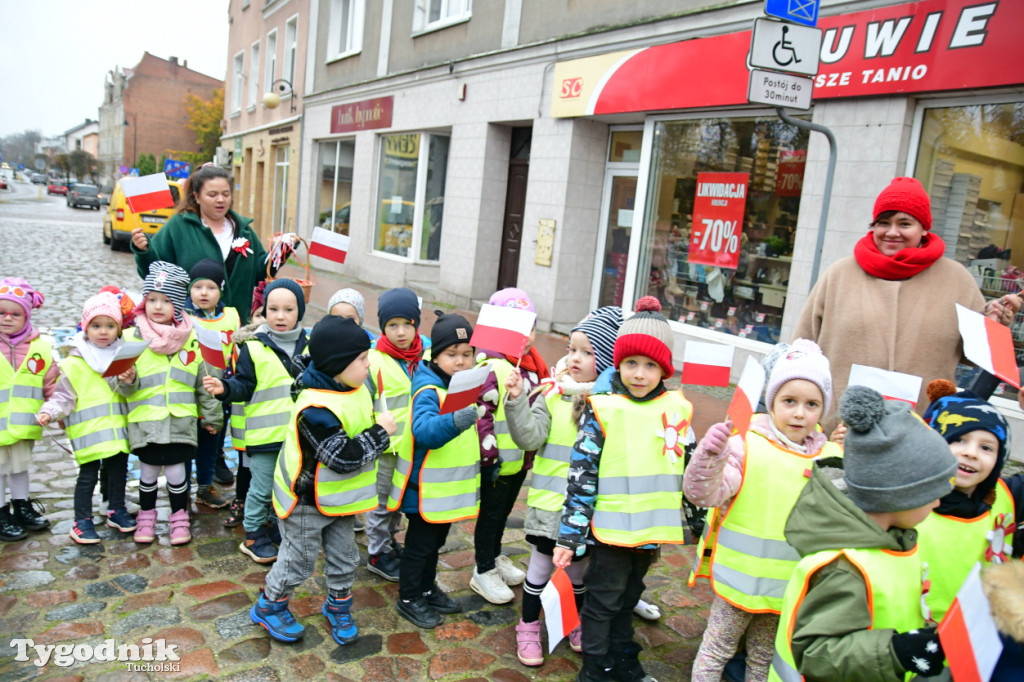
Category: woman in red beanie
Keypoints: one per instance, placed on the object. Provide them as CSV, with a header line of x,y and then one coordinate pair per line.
x,y
891,304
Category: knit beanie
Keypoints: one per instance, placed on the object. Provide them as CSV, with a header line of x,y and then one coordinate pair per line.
x,y
512,297
335,342
802,359
955,414
892,460
399,302
103,303
353,298
601,326
449,329
646,333
210,269
906,195
169,280
292,286
21,292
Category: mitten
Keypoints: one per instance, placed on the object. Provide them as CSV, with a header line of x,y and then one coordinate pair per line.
x,y
465,417
919,651
716,438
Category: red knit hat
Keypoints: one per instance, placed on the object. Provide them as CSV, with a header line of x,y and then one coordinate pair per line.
x,y
646,333
906,195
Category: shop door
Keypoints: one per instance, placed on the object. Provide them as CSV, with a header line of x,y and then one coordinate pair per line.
x,y
617,224
515,203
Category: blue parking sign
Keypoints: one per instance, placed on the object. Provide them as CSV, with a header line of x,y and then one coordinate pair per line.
x,y
798,11
176,169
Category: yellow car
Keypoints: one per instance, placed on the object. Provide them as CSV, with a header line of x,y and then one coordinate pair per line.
x,y
119,221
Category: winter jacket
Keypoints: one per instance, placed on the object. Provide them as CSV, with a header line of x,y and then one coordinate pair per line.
x,y
832,639
15,355
491,395
184,241
1004,587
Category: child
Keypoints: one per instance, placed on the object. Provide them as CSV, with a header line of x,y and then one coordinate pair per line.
x,y
327,472
351,304
504,465
443,484
165,399
853,607
28,375
261,384
97,416
625,494
548,425
207,310
753,483
979,517
392,362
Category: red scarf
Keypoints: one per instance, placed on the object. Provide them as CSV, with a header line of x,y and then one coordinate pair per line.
x,y
410,357
532,362
905,264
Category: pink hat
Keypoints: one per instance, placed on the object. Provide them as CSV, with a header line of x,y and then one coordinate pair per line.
x,y
801,359
103,303
21,292
512,297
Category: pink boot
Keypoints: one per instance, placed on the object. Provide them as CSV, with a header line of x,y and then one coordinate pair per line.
x,y
528,646
145,526
576,640
180,533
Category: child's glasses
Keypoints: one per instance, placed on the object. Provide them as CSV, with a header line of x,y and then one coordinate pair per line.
x,y
8,289
17,315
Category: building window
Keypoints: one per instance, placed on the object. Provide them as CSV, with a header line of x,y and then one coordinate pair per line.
x,y
345,35
238,74
254,74
409,210
281,188
433,14
290,36
270,70
334,201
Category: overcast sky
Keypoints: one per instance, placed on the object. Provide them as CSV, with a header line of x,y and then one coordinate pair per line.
x,y
55,54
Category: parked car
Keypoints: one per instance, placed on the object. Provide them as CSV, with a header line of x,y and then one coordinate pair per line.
x,y
119,221
84,195
56,187
38,179
3,183
105,192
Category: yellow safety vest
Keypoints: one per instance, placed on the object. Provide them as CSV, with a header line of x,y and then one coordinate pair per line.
x,y
550,472
894,582
98,428
386,370
951,546
21,394
336,494
225,324
264,418
751,562
166,384
640,475
511,455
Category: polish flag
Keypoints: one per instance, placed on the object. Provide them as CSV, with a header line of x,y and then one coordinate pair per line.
x,y
748,393
988,344
147,193
464,388
329,245
125,358
892,385
968,634
559,604
210,346
503,330
707,364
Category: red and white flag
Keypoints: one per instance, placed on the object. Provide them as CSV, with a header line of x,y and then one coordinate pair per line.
x,y
988,344
503,330
968,634
125,358
892,385
559,604
748,393
210,346
464,388
329,245
147,193
707,364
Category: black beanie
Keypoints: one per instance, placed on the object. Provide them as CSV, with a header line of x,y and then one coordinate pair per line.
x,y
335,342
292,286
209,269
399,302
448,330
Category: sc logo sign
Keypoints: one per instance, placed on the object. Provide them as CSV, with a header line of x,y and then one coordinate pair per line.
x,y
571,87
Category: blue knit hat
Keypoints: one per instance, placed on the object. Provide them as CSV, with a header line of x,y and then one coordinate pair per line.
x,y
292,286
399,302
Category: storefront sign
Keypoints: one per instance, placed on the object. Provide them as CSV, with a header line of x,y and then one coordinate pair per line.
x,y
718,219
927,46
365,115
789,180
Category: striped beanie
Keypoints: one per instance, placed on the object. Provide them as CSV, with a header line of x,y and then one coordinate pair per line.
x,y
169,280
646,333
601,326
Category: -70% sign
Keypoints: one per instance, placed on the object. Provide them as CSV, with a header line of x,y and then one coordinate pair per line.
x,y
718,208
719,233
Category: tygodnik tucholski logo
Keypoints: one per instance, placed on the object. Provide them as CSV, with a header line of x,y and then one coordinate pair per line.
x,y
148,656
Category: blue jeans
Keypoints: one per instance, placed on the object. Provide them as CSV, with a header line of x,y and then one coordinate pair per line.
x,y
261,489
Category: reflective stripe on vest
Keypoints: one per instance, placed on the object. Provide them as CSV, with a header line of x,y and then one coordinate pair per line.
x,y
269,410
22,396
397,386
511,455
98,426
550,471
225,324
631,509
238,426
449,478
166,384
336,494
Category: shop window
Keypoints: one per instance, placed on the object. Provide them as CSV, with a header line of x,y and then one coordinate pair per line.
x,y
720,222
407,197
334,200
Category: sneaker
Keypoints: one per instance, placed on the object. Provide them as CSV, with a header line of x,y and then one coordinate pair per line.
x,y
385,565
28,514
222,474
10,530
419,613
84,532
510,573
145,526
528,646
358,525
181,533
440,601
339,613
576,639
646,610
258,547
491,587
277,619
121,520
209,496
236,512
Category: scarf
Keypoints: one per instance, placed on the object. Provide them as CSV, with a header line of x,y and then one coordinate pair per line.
x,y
97,358
26,333
411,357
531,362
286,341
905,264
164,339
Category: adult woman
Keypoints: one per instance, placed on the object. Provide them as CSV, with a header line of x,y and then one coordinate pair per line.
x,y
206,227
891,304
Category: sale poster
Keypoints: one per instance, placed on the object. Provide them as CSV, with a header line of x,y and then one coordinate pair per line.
x,y
790,179
718,219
